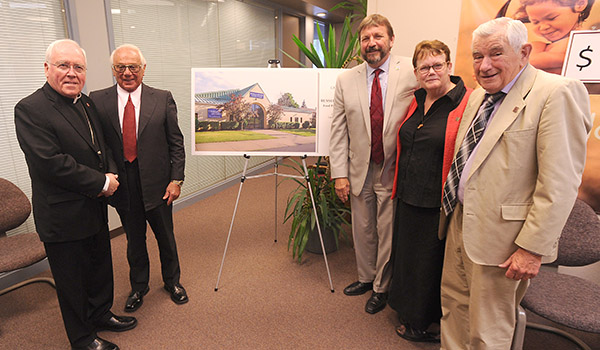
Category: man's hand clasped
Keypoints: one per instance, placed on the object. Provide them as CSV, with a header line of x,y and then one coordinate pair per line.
x,y
113,184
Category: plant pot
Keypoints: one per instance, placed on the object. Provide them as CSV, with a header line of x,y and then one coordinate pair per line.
x,y
314,243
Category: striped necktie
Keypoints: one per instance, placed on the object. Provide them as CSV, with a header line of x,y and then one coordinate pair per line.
x,y
471,139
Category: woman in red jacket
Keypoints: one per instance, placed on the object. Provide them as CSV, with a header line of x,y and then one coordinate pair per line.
x,y
425,149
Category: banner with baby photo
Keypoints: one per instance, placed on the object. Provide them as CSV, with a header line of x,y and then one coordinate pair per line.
x,y
549,23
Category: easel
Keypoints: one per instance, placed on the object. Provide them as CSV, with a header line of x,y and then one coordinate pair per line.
x,y
276,63
312,199
272,62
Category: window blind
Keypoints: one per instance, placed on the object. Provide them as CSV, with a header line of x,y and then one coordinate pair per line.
x,y
28,27
176,35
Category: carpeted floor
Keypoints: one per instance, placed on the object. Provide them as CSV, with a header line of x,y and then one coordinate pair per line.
x,y
265,299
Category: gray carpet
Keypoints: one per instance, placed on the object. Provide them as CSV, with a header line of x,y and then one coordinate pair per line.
x,y
265,299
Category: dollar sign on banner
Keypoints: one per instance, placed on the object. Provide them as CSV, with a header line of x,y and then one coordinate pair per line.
x,y
589,61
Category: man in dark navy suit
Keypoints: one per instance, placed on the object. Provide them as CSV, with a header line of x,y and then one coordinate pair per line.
x,y
71,173
141,128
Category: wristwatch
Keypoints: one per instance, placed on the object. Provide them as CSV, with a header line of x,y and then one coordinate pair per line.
x,y
177,182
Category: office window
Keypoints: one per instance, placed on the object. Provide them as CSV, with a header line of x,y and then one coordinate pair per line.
x,y
176,35
27,28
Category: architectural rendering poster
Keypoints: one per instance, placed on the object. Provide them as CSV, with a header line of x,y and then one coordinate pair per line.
x,y
550,41
260,111
327,79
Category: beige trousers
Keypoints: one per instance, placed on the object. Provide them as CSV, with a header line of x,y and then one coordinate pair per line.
x,y
478,301
372,230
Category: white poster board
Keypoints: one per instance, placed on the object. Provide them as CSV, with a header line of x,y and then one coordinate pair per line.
x,y
262,111
582,60
327,78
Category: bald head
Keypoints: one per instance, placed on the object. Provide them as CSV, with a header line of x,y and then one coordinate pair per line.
x,y
65,67
129,66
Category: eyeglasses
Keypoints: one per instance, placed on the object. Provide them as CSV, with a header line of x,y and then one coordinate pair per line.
x,y
436,67
133,68
65,67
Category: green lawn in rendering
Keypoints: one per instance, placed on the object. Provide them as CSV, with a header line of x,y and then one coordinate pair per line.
x,y
229,135
300,132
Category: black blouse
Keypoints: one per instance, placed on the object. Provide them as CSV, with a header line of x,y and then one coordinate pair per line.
x,y
422,139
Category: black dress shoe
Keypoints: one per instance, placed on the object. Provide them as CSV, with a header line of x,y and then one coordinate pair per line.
x,y
376,303
178,294
358,288
117,324
98,344
417,335
135,300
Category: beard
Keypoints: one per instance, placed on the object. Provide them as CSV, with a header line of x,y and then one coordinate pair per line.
x,y
375,55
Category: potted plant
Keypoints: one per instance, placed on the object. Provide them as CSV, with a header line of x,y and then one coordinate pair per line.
x,y
335,55
332,213
358,9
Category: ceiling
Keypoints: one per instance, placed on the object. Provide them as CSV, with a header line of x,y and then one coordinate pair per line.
x,y
312,7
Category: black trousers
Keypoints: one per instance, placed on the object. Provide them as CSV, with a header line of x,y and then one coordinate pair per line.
x,y
417,257
134,222
83,274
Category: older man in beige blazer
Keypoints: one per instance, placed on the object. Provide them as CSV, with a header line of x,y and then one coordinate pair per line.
x,y
363,153
515,191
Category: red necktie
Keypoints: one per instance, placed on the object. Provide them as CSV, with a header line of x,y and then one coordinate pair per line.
x,y
129,139
376,111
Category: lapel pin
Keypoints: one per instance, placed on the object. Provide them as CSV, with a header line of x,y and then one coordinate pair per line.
x,y
87,104
515,110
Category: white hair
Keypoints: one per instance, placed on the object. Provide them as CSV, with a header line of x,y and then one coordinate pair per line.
x,y
53,44
128,46
514,31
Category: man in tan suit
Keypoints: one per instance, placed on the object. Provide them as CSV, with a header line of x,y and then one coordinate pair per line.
x,y
506,206
370,102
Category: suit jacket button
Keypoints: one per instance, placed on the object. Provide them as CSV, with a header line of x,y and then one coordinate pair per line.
x,y
101,165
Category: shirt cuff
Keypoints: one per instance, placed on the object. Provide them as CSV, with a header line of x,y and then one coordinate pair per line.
x,y
106,183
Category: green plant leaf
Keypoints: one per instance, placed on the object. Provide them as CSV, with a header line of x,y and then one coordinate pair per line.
x,y
302,246
335,54
301,234
352,43
332,48
311,54
359,8
323,47
293,59
343,37
330,210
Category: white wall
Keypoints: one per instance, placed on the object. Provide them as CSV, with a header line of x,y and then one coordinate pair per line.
x,y
90,30
414,21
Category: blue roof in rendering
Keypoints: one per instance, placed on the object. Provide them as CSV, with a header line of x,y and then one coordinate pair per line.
x,y
220,97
